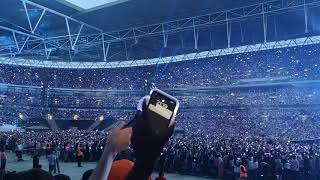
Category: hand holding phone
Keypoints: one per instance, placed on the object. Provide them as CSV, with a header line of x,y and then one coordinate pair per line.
x,y
159,107
153,128
161,111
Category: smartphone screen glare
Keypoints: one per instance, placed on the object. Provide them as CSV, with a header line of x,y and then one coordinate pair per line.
x,y
161,105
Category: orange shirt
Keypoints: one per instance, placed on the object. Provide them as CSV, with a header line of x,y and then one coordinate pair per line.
x,y
120,170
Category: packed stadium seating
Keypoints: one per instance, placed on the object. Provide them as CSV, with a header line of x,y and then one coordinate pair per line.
x,y
247,104
261,84
288,64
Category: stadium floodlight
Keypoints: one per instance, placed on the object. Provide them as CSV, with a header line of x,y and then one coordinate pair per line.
x,y
90,5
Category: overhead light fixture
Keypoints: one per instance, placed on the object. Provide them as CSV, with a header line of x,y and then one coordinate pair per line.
x,y
90,5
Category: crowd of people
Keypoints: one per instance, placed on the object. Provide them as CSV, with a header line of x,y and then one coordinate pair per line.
x,y
269,141
270,130
258,96
264,158
290,64
186,153
66,142
284,123
94,100
91,106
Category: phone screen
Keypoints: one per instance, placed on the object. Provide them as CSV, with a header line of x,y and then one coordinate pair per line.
x,y
161,108
161,105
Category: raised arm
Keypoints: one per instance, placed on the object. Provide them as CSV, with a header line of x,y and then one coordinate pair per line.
x,y
119,140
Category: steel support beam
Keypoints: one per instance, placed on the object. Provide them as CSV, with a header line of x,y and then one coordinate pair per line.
x,y
60,14
126,50
195,35
75,42
165,37
83,42
26,11
20,32
135,37
305,8
68,28
46,50
107,50
15,40
165,29
24,44
104,49
36,26
17,44
264,22
233,15
11,53
241,33
228,32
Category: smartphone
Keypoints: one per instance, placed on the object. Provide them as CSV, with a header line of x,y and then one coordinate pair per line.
x,y
161,111
162,108
133,121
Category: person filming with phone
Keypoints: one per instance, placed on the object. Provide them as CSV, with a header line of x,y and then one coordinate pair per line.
x,y
147,133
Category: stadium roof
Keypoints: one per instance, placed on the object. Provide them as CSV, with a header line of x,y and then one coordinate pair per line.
x,y
119,14
90,5
130,33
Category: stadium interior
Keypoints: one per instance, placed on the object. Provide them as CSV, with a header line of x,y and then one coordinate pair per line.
x,y
246,74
